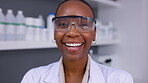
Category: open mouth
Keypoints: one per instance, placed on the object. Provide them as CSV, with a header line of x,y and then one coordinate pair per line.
x,y
73,46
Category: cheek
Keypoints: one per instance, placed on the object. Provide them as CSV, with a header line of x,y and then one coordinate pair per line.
x,y
88,37
58,36
88,40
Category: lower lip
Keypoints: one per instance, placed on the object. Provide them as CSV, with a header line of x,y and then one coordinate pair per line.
x,y
73,48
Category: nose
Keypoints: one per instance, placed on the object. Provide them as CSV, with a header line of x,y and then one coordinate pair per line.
x,y
73,31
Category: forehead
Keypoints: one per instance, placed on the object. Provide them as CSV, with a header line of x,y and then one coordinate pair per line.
x,y
77,8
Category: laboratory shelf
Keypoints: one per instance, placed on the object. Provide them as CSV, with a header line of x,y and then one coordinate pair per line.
x,y
18,45
105,3
106,42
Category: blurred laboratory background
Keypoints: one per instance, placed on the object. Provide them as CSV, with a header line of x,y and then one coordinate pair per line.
x,y
26,36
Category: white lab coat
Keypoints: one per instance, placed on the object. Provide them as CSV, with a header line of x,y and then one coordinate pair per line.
x,y
98,74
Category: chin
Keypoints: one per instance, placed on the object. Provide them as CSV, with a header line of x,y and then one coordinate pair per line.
x,y
73,57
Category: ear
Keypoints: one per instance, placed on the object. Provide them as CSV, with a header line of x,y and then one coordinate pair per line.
x,y
94,34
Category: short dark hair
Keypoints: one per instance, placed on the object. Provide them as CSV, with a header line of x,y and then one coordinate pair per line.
x,y
77,0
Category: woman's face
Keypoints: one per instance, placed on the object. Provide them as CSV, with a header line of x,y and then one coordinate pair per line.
x,y
73,44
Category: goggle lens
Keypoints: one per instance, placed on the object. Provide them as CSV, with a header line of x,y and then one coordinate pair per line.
x,y
82,24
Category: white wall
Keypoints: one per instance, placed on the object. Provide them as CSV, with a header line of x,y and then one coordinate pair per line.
x,y
132,22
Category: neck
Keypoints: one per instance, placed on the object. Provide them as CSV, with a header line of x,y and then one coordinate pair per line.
x,y
76,66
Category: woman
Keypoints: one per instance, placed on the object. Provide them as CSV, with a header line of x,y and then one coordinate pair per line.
x,y
75,31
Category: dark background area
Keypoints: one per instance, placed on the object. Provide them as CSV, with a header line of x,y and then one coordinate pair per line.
x,y
31,8
15,63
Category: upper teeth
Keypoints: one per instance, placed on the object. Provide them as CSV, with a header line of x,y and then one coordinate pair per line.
x,y
73,44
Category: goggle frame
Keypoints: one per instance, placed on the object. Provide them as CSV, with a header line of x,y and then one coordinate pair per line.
x,y
73,16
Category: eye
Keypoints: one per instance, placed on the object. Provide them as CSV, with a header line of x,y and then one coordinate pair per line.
x,y
84,25
63,25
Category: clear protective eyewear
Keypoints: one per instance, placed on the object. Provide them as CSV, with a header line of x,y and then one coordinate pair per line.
x,y
82,24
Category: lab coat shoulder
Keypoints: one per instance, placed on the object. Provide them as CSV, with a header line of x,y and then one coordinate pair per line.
x,y
98,74
38,74
113,75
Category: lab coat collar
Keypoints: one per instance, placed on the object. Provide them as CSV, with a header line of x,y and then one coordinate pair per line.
x,y
96,76
53,75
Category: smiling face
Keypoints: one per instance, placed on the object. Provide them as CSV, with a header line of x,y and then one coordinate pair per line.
x,y
74,45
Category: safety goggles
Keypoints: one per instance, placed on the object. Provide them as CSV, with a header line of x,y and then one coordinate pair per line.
x,y
82,24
